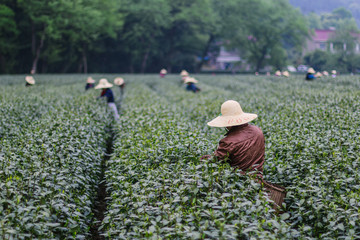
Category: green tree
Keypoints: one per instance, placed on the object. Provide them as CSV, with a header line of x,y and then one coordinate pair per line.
x,y
269,26
8,33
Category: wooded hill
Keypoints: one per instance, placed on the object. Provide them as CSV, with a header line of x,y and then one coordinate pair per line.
x,y
323,6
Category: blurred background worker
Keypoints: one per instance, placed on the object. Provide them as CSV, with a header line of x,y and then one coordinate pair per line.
x,y
318,75
163,73
106,92
286,74
325,73
244,145
190,84
278,73
121,83
184,74
89,83
29,81
310,74
333,73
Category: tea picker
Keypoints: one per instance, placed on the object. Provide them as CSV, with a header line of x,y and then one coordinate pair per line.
x,y
163,73
190,85
106,92
184,75
286,74
89,83
333,73
310,74
29,81
121,83
243,146
278,73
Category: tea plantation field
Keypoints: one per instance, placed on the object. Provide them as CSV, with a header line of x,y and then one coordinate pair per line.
x,y
55,140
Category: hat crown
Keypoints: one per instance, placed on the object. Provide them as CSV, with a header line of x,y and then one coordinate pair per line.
x,y
231,108
103,81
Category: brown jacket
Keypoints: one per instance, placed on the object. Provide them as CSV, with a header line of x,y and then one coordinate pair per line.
x,y
243,147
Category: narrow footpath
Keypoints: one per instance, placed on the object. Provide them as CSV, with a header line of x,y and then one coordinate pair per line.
x,y
100,206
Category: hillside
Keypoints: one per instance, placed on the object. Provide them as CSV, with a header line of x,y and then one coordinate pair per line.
x,y
322,6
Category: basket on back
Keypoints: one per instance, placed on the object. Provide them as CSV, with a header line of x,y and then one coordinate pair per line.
x,y
277,193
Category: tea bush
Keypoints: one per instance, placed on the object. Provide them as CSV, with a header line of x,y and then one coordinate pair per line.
x,y
51,145
52,142
160,189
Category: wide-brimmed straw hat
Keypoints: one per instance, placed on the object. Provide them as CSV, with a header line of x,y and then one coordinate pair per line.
x,y
318,74
119,81
163,71
325,73
231,115
311,70
103,83
277,73
190,80
184,73
286,74
333,72
90,80
30,80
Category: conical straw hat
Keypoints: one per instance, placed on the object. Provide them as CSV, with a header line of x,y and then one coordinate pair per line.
x,y
184,73
277,73
286,74
90,80
163,71
325,73
311,70
318,74
333,72
190,80
231,115
30,80
103,83
119,81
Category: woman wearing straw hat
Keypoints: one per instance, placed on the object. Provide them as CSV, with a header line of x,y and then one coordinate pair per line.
x,y
29,81
163,72
310,74
106,92
278,73
286,74
184,75
244,145
89,83
121,83
333,73
190,82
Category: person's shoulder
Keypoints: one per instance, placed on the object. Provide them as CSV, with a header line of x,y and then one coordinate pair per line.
x,y
255,128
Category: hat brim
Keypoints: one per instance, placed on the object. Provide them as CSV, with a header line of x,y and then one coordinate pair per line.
x,y
229,121
191,81
90,81
99,86
30,81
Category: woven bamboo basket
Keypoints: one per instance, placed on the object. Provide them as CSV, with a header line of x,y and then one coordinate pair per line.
x,y
277,193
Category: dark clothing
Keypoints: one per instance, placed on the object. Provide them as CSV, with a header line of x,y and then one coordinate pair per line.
x,y
108,94
243,148
27,84
89,85
192,87
310,76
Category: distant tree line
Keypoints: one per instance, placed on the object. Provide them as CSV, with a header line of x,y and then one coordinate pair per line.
x,y
62,36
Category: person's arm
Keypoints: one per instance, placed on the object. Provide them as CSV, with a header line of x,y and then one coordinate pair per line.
x,y
221,153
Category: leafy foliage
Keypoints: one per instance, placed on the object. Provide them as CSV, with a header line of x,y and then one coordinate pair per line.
x,y
52,143
51,146
312,139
